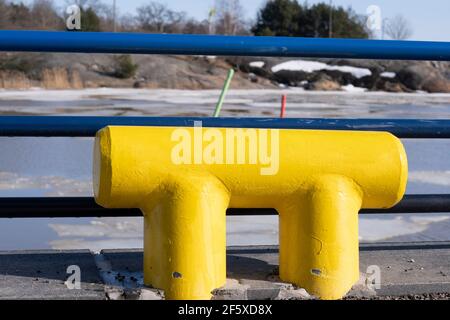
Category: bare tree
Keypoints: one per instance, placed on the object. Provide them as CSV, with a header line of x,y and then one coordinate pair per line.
x,y
4,14
84,4
398,28
44,15
103,10
19,16
229,16
107,16
157,17
127,23
193,26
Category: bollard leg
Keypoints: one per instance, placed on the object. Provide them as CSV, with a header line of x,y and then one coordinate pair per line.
x,y
319,245
185,237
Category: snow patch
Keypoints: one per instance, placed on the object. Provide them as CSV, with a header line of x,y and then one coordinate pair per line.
x,y
353,89
389,75
257,64
312,66
408,228
439,178
53,185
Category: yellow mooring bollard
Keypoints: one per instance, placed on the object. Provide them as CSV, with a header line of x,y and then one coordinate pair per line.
x,y
184,179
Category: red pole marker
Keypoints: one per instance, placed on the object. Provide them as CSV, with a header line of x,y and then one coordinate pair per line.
x,y
283,106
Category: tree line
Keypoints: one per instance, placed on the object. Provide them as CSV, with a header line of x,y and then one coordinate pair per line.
x,y
275,18
156,17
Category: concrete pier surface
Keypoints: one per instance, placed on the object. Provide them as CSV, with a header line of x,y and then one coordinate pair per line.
x,y
404,270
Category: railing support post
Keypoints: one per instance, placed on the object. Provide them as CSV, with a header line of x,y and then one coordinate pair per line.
x,y
185,237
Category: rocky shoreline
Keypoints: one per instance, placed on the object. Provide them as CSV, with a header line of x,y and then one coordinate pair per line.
x,y
78,71
337,74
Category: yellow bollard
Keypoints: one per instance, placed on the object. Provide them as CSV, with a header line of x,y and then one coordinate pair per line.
x,y
184,179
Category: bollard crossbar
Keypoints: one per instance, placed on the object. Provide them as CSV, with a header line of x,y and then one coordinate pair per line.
x,y
57,126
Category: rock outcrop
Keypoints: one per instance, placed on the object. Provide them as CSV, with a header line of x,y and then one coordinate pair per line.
x,y
77,71
318,74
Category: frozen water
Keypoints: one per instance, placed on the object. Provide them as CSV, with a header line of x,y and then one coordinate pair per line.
x,y
62,166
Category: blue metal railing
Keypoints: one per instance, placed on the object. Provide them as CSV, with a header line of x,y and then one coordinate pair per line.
x,y
39,41
44,126
46,41
86,207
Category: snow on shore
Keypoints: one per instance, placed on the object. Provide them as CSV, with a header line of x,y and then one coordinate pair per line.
x,y
389,75
257,64
313,66
441,178
351,88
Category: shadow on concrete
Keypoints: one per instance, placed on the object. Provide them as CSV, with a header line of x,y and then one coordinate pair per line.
x,y
253,265
48,264
42,275
251,268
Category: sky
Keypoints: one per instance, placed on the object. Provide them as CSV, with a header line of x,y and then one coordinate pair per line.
x,y
430,19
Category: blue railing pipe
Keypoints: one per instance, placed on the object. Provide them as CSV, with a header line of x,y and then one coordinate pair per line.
x,y
85,207
56,126
174,44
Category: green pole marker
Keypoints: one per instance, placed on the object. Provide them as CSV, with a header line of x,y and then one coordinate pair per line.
x,y
226,86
